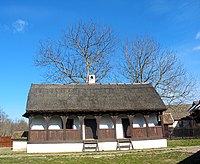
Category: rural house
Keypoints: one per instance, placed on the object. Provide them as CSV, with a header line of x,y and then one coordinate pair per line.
x,y
64,118
194,111
182,120
180,115
175,118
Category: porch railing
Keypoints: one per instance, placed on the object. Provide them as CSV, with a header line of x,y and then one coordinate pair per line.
x,y
106,134
54,135
103,134
150,132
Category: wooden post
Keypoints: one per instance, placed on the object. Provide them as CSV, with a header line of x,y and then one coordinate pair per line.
x,y
162,124
64,121
114,119
98,118
130,117
47,120
146,118
193,127
81,120
29,126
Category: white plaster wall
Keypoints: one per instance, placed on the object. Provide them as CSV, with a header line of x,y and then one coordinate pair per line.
x,y
67,147
153,121
107,146
175,124
119,128
50,148
55,123
83,132
38,123
147,144
103,146
106,122
19,145
138,121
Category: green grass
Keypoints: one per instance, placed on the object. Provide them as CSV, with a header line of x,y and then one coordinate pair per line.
x,y
186,142
152,157
149,156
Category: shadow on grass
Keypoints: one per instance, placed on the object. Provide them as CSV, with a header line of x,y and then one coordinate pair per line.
x,y
193,159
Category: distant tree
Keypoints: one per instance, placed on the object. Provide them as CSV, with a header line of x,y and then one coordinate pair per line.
x,y
85,48
8,126
5,124
20,125
146,61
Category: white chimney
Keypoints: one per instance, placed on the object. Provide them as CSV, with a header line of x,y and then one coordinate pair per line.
x,y
91,79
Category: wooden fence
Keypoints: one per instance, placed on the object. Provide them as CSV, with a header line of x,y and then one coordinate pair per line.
x,y
184,133
5,141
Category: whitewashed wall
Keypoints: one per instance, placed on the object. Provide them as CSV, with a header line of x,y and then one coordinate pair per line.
x,y
38,123
103,146
119,127
19,145
138,121
148,144
153,120
55,123
83,132
106,122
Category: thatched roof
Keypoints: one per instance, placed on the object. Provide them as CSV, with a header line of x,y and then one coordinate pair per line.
x,y
179,111
20,135
167,118
195,106
93,98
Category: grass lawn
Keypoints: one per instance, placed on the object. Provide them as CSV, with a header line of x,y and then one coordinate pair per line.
x,y
154,156
185,142
170,155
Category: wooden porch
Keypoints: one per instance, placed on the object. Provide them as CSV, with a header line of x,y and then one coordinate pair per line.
x,y
70,135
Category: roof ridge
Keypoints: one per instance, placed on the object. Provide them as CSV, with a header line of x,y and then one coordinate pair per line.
x,y
74,84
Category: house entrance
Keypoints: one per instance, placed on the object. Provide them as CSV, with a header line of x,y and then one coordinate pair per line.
x,y
90,129
126,127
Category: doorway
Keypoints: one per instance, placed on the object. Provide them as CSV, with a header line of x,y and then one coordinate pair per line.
x,y
90,129
126,128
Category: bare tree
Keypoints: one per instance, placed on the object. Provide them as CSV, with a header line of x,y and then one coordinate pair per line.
x,y
5,124
84,49
146,61
8,126
20,125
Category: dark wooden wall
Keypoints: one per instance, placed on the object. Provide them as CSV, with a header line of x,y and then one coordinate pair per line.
x,y
5,141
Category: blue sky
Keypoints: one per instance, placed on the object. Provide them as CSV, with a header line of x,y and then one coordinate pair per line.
x,y
175,24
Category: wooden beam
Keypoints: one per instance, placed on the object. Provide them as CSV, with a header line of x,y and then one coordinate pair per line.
x,y
114,119
146,119
162,124
130,117
29,126
64,121
98,119
47,120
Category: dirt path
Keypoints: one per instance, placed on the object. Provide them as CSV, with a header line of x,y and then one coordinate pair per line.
x,y
192,149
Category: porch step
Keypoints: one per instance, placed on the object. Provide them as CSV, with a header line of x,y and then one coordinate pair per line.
x,y
124,144
90,145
